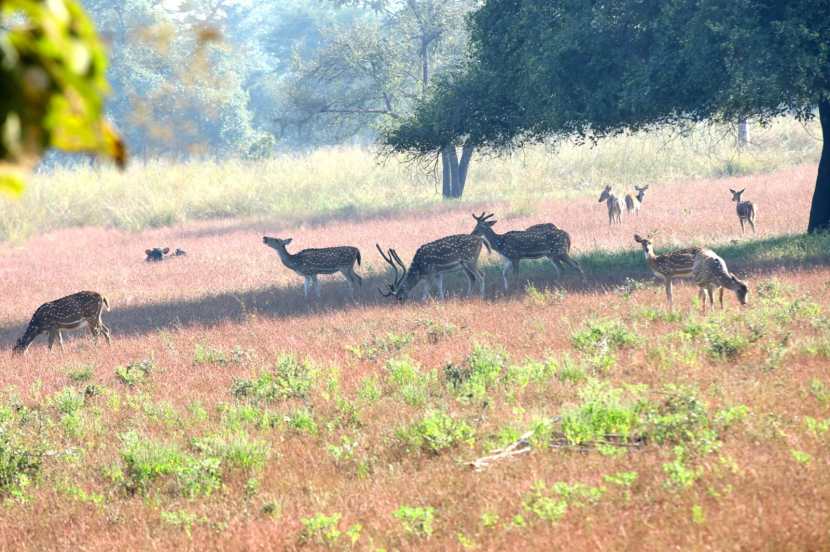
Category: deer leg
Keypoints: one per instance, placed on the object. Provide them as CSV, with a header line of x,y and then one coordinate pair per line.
x,y
555,264
60,339
305,286
315,283
440,281
720,292
701,295
504,270
567,259
668,292
752,224
52,335
742,225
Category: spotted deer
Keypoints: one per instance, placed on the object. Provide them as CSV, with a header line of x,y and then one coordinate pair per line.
x,y
538,241
66,313
431,261
634,202
613,202
709,272
308,263
745,209
668,266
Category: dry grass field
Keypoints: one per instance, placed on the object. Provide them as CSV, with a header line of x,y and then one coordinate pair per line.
x,y
229,413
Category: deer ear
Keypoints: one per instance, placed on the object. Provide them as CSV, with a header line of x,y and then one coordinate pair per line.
x,y
733,191
166,250
491,222
742,191
286,241
637,238
148,252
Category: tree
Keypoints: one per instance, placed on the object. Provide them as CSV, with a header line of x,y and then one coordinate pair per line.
x,y
52,87
591,68
372,71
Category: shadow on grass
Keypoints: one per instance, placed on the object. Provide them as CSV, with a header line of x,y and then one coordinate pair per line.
x,y
605,271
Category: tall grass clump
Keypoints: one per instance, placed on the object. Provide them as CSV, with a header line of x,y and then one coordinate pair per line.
x,y
346,182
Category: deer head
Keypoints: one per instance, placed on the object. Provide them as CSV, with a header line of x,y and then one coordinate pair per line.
x,y
399,286
641,192
275,243
606,194
736,196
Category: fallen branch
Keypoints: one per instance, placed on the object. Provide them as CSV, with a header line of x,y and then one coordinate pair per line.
x,y
517,447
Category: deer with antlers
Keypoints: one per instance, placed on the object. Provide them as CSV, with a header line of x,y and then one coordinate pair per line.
x,y
634,202
538,241
431,261
745,209
613,203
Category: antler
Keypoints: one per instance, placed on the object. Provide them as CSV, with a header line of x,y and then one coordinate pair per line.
x,y
389,260
483,217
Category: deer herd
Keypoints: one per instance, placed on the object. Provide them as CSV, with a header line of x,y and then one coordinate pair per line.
x,y
459,252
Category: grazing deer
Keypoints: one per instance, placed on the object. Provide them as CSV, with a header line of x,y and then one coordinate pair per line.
x,y
66,313
634,202
669,266
709,272
614,209
540,240
156,254
308,263
745,209
432,260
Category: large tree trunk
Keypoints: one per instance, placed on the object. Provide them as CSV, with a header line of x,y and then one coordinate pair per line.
x,y
743,133
446,180
463,165
820,209
454,171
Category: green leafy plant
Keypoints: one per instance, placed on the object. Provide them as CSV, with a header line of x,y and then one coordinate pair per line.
x,y
289,379
435,432
134,373
416,520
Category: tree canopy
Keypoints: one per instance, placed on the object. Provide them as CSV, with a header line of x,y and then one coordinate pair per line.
x,y
592,68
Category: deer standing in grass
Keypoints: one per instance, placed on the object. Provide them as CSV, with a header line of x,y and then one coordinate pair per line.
x,y
709,271
432,261
308,263
538,241
669,266
66,313
613,202
745,209
634,202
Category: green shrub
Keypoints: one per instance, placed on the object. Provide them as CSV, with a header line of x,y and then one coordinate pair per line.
x,y
204,354
135,373
302,421
416,520
603,335
236,450
435,432
321,529
290,379
409,381
68,400
80,374
18,463
604,411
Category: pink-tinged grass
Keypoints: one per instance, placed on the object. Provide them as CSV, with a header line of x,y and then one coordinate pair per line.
x,y
231,293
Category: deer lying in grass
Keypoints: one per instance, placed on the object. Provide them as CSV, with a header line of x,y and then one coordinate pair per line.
x,y
613,203
745,209
308,263
538,241
669,266
709,271
634,202
431,261
66,313
158,254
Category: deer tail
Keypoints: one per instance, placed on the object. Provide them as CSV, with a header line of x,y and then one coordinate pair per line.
x,y
106,303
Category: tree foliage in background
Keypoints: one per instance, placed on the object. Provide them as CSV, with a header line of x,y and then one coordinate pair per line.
x,y
52,87
590,68
372,70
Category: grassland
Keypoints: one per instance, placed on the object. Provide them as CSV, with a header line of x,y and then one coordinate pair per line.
x,y
348,183
230,414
